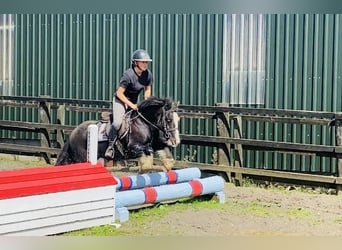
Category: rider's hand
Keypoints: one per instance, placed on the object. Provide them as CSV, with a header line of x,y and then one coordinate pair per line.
x,y
134,107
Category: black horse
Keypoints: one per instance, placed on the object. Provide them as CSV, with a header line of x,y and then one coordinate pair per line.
x,y
153,128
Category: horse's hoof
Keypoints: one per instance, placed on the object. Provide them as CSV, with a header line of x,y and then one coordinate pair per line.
x,y
168,164
166,169
109,163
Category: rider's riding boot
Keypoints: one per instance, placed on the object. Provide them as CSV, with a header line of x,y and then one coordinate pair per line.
x,y
110,152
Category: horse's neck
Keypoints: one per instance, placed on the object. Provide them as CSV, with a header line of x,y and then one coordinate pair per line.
x,y
147,116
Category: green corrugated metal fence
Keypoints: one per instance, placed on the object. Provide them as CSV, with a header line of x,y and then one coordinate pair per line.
x,y
289,61
82,56
303,58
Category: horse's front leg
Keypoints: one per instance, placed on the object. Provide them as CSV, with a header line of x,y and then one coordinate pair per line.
x,y
166,158
145,163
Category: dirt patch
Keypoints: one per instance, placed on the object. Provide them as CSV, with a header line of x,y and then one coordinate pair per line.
x,y
255,211
283,213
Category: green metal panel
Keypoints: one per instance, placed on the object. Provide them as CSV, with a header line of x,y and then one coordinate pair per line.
x,y
65,52
302,57
6,59
244,70
82,56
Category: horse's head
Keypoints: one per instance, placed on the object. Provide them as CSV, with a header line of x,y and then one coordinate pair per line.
x,y
163,114
171,121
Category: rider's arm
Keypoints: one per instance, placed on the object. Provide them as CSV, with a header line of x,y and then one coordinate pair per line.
x,y
120,94
147,91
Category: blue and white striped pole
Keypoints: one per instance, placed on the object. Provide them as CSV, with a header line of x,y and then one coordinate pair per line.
x,y
150,195
157,178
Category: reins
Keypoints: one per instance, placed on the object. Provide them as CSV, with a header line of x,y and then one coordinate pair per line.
x,y
164,130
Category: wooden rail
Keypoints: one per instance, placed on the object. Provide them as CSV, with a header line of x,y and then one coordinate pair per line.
x,y
228,138
45,127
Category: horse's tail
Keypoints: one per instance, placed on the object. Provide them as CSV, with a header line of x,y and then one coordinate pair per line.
x,y
64,156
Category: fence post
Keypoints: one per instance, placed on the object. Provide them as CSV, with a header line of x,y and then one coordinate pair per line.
x,y
238,134
223,156
60,120
238,147
44,117
338,150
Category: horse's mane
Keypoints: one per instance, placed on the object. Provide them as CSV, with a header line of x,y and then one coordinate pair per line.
x,y
156,101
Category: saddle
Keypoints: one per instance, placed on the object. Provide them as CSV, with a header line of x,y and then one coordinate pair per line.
x,y
105,126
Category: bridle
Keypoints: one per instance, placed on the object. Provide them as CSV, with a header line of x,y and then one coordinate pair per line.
x,y
166,131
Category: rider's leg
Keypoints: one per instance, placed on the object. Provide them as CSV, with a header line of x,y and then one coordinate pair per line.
x,y
111,141
118,114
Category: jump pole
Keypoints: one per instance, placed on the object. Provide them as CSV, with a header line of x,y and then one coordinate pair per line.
x,y
92,144
151,195
157,178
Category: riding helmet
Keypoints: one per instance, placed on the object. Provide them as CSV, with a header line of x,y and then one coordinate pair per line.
x,y
141,55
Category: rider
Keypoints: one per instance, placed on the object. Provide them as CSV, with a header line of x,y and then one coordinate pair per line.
x,y
132,82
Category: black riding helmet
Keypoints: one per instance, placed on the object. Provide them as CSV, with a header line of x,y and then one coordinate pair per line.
x,y
141,55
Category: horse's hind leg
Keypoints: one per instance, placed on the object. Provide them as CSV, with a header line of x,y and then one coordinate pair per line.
x,y
80,155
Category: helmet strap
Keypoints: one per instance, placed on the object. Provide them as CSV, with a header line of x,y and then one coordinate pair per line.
x,y
136,65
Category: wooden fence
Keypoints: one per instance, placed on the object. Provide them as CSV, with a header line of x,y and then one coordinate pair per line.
x,y
229,139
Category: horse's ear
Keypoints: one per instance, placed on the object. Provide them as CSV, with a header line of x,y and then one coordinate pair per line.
x,y
175,105
169,104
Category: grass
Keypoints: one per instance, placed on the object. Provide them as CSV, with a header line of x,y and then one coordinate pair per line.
x,y
139,217
338,220
14,162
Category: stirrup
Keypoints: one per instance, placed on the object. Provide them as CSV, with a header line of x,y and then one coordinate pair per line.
x,y
109,154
